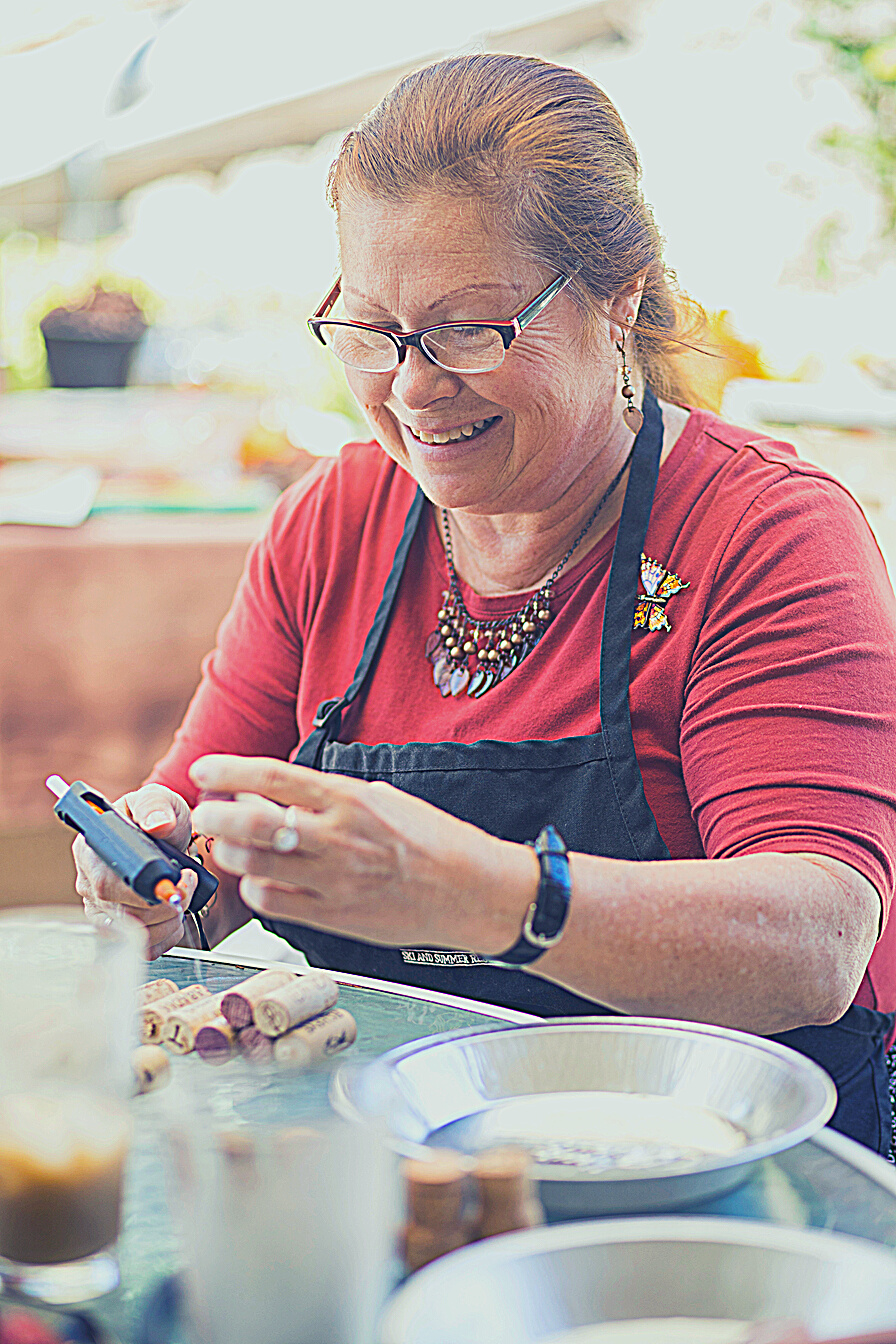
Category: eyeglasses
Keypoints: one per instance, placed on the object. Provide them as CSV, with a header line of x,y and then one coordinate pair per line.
x,y
459,347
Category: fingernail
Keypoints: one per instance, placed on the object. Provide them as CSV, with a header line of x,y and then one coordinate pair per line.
x,y
156,819
215,796
198,772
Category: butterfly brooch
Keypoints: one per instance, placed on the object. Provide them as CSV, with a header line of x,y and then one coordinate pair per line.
x,y
659,586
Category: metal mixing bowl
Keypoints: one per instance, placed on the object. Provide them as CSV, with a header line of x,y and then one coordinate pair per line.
x,y
473,1089
535,1285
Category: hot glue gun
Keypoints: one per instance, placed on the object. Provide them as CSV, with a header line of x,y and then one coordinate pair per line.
x,y
148,865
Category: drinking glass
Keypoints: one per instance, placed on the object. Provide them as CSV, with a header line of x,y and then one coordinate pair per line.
x,y
67,1028
288,1215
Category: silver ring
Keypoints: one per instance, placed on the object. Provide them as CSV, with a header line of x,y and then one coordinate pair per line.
x,y
285,839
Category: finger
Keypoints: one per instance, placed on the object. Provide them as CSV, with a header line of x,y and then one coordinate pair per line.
x,y
97,883
297,906
162,937
163,923
245,859
187,884
287,839
279,780
249,818
95,878
153,809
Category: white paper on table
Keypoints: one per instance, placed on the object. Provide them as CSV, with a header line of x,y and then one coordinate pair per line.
x,y
42,494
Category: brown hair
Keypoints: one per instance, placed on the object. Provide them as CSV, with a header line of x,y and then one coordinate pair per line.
x,y
545,150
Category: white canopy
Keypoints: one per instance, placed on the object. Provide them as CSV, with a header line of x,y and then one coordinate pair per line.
x,y
225,79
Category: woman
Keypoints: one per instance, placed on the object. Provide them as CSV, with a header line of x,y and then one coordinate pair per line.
x,y
472,592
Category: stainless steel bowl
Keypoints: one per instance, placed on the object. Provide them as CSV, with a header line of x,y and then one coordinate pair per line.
x,y
537,1285
529,1084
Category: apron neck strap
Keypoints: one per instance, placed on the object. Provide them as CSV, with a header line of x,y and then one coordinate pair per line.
x,y
625,570
328,718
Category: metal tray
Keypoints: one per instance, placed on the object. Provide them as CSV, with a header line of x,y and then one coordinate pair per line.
x,y
535,1084
538,1285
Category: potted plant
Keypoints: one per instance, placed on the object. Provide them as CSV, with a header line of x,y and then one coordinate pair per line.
x,y
92,343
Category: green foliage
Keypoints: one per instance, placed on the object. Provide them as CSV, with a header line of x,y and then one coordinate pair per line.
x,y
860,37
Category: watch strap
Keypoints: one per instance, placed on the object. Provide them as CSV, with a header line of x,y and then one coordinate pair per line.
x,y
546,917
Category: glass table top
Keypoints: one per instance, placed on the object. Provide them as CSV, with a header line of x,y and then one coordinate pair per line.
x,y
828,1182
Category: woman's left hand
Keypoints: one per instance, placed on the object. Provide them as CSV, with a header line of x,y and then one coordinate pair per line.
x,y
362,859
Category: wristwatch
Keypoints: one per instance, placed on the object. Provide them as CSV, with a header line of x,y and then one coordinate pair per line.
x,y
546,916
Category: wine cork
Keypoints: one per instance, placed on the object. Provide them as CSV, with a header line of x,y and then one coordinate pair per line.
x,y
436,1194
236,1169
156,989
216,1041
155,1015
421,1245
253,1044
435,1190
235,1146
152,1068
297,1144
293,1004
504,1189
317,1040
179,1034
238,1004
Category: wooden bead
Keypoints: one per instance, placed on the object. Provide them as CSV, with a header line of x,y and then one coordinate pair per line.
x,y
445,630
504,645
482,654
493,655
469,647
443,614
516,639
544,614
528,627
628,391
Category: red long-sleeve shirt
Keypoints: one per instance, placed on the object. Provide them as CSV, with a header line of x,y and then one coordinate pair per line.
x,y
764,720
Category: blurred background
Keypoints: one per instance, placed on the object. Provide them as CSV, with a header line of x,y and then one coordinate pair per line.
x,y
164,236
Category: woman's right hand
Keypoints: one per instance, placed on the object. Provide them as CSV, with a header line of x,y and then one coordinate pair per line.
x,y
159,812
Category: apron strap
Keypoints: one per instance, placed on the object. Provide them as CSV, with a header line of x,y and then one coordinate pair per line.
x,y
328,719
616,638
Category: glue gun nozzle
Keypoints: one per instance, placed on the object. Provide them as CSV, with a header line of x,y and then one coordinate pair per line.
x,y
165,890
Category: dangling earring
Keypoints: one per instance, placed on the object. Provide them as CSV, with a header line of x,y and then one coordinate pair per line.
x,y
631,415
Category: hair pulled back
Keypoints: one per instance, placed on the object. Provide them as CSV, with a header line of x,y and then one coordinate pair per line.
x,y
545,151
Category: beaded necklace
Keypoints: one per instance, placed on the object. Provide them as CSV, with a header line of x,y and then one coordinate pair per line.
x,y
474,655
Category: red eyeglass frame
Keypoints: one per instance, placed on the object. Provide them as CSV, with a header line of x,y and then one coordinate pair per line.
x,y
508,331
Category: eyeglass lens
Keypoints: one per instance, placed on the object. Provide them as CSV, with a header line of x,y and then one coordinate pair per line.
x,y
458,348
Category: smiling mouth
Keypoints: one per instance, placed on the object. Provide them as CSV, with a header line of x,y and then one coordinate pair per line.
x,y
470,431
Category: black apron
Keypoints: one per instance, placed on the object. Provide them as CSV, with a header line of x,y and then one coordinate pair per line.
x,y
590,788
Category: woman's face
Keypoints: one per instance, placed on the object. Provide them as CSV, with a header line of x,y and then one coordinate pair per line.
x,y
550,408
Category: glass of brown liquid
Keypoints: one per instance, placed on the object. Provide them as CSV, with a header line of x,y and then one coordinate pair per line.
x,y
67,1028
